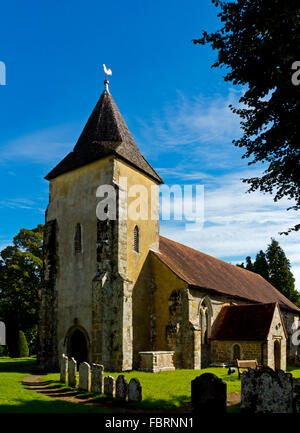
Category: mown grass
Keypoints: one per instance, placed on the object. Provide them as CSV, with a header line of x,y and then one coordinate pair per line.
x,y
164,390
172,389
167,389
14,398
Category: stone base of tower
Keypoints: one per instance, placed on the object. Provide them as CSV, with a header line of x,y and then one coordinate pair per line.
x,y
112,323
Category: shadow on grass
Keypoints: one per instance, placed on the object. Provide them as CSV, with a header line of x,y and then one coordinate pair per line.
x,y
56,389
44,406
19,366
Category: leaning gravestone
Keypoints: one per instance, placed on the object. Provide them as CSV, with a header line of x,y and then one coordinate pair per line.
x,y
209,395
85,377
134,390
97,384
121,388
109,386
266,391
72,371
64,368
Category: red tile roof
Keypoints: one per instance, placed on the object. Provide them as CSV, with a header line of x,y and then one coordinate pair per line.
x,y
206,272
243,322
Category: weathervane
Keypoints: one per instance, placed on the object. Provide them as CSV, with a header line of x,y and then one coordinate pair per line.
x,y
107,72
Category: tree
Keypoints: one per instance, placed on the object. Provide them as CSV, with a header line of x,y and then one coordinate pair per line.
x,y
249,265
258,44
261,265
275,267
20,281
23,350
280,275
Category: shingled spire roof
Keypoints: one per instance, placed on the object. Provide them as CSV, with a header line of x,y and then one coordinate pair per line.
x,y
105,133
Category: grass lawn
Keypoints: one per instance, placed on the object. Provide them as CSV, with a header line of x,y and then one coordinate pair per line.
x,y
171,389
168,389
14,398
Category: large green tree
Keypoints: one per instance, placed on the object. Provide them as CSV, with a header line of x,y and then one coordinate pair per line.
x,y
280,275
20,281
275,267
258,43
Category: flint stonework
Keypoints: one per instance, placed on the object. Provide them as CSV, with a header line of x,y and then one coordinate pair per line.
x,y
97,382
85,377
134,391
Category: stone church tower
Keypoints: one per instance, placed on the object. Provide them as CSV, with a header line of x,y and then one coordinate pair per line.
x,y
93,266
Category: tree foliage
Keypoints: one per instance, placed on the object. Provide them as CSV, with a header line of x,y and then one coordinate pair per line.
x,y
258,43
23,350
275,267
20,281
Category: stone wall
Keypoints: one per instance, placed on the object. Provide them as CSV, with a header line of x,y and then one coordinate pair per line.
x,y
47,331
277,333
222,351
73,201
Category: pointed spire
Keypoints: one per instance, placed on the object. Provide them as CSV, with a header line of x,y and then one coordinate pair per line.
x,y
105,133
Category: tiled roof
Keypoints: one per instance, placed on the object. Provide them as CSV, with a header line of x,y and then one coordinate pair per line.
x,y
243,322
105,133
200,270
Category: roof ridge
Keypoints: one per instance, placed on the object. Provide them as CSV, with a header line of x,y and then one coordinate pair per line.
x,y
215,258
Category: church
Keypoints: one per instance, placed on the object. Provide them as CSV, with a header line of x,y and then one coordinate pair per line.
x,y
117,293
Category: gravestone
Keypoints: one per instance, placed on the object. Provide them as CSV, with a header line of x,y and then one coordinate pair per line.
x,y
97,382
64,369
72,370
266,391
296,394
209,394
85,376
134,390
109,386
121,388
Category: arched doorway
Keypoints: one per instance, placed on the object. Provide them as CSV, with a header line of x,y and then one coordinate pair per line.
x,y
77,346
277,355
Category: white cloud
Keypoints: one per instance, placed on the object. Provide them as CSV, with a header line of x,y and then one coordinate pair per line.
x,y
45,146
205,124
239,224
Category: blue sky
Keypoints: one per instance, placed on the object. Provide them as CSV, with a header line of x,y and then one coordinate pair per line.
x,y
175,105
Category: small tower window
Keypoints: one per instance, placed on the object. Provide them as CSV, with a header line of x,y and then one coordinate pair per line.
x,y
77,239
136,239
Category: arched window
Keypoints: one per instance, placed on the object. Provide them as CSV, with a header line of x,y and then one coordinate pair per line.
x,y
77,239
236,352
205,314
136,239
